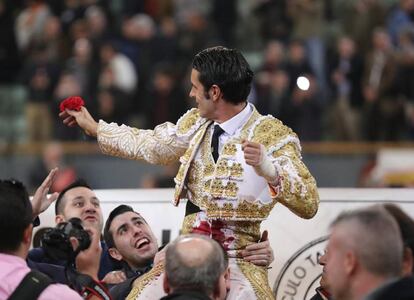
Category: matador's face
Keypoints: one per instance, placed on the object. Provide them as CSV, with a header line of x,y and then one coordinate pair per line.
x,y
205,103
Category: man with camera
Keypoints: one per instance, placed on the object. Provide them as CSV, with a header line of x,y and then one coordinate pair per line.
x,y
77,200
17,281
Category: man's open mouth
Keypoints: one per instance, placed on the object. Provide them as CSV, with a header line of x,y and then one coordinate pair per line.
x,y
142,243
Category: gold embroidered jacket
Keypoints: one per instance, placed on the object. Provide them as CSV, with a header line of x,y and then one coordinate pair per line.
x,y
229,189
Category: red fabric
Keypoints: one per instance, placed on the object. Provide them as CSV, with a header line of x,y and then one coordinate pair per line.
x,y
72,103
215,231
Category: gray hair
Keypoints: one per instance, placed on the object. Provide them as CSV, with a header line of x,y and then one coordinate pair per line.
x,y
200,274
374,236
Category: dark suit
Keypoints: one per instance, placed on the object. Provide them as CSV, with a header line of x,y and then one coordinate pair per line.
x,y
186,295
401,289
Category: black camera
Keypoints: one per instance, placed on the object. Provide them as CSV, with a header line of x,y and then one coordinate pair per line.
x,y
56,241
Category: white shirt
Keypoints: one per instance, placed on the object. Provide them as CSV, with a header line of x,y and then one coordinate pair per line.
x,y
234,125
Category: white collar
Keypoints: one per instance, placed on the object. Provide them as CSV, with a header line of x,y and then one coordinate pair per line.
x,y
230,126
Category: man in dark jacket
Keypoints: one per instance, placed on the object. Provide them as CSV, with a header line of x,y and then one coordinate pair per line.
x,y
80,201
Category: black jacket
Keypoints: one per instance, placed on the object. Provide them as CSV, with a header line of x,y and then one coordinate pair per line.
x,y
186,295
401,289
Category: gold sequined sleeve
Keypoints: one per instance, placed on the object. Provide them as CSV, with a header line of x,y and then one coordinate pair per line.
x,y
159,146
296,187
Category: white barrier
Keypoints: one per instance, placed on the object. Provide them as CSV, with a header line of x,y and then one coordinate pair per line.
x,y
297,243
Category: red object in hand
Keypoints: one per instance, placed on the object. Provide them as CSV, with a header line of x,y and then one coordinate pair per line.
x,y
72,103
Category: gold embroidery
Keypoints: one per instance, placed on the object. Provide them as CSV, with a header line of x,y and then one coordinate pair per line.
x,y
244,210
302,197
188,121
248,233
258,278
214,187
207,186
208,169
236,170
154,146
217,188
141,282
188,224
180,179
231,189
222,168
269,131
229,149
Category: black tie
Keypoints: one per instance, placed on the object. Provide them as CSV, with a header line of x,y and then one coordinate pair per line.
x,y
215,141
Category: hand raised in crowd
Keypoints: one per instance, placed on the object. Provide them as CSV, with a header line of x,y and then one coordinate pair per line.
x,y
260,254
114,277
81,118
160,256
41,201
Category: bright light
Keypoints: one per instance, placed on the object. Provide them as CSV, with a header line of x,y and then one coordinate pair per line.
x,y
303,83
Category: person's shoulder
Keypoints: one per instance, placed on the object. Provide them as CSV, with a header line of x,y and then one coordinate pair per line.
x,y
37,254
186,295
121,290
107,263
402,289
59,291
189,122
271,132
56,272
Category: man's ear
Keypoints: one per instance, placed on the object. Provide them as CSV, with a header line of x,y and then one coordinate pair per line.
x,y
59,219
165,284
350,262
114,253
227,278
215,92
408,262
27,234
223,285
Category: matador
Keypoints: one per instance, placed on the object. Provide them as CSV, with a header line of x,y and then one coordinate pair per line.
x,y
258,165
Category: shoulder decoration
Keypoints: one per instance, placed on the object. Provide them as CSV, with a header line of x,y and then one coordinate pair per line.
x,y
189,122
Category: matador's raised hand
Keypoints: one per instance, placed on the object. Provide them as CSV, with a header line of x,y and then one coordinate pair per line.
x,y
81,118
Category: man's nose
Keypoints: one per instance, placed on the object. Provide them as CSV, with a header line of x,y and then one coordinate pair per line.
x,y
90,208
137,230
322,259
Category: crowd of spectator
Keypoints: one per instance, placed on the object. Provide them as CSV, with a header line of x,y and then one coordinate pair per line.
x,y
369,254
129,61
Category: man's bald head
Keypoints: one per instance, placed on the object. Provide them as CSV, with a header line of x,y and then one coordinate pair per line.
x,y
194,252
195,262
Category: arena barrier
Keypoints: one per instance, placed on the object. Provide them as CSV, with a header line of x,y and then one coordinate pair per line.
x,y
297,243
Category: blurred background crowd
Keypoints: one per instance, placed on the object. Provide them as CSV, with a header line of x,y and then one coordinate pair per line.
x,y
130,60
332,70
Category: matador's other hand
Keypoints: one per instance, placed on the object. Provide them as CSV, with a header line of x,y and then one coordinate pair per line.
x,y
81,118
252,153
260,254
255,155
